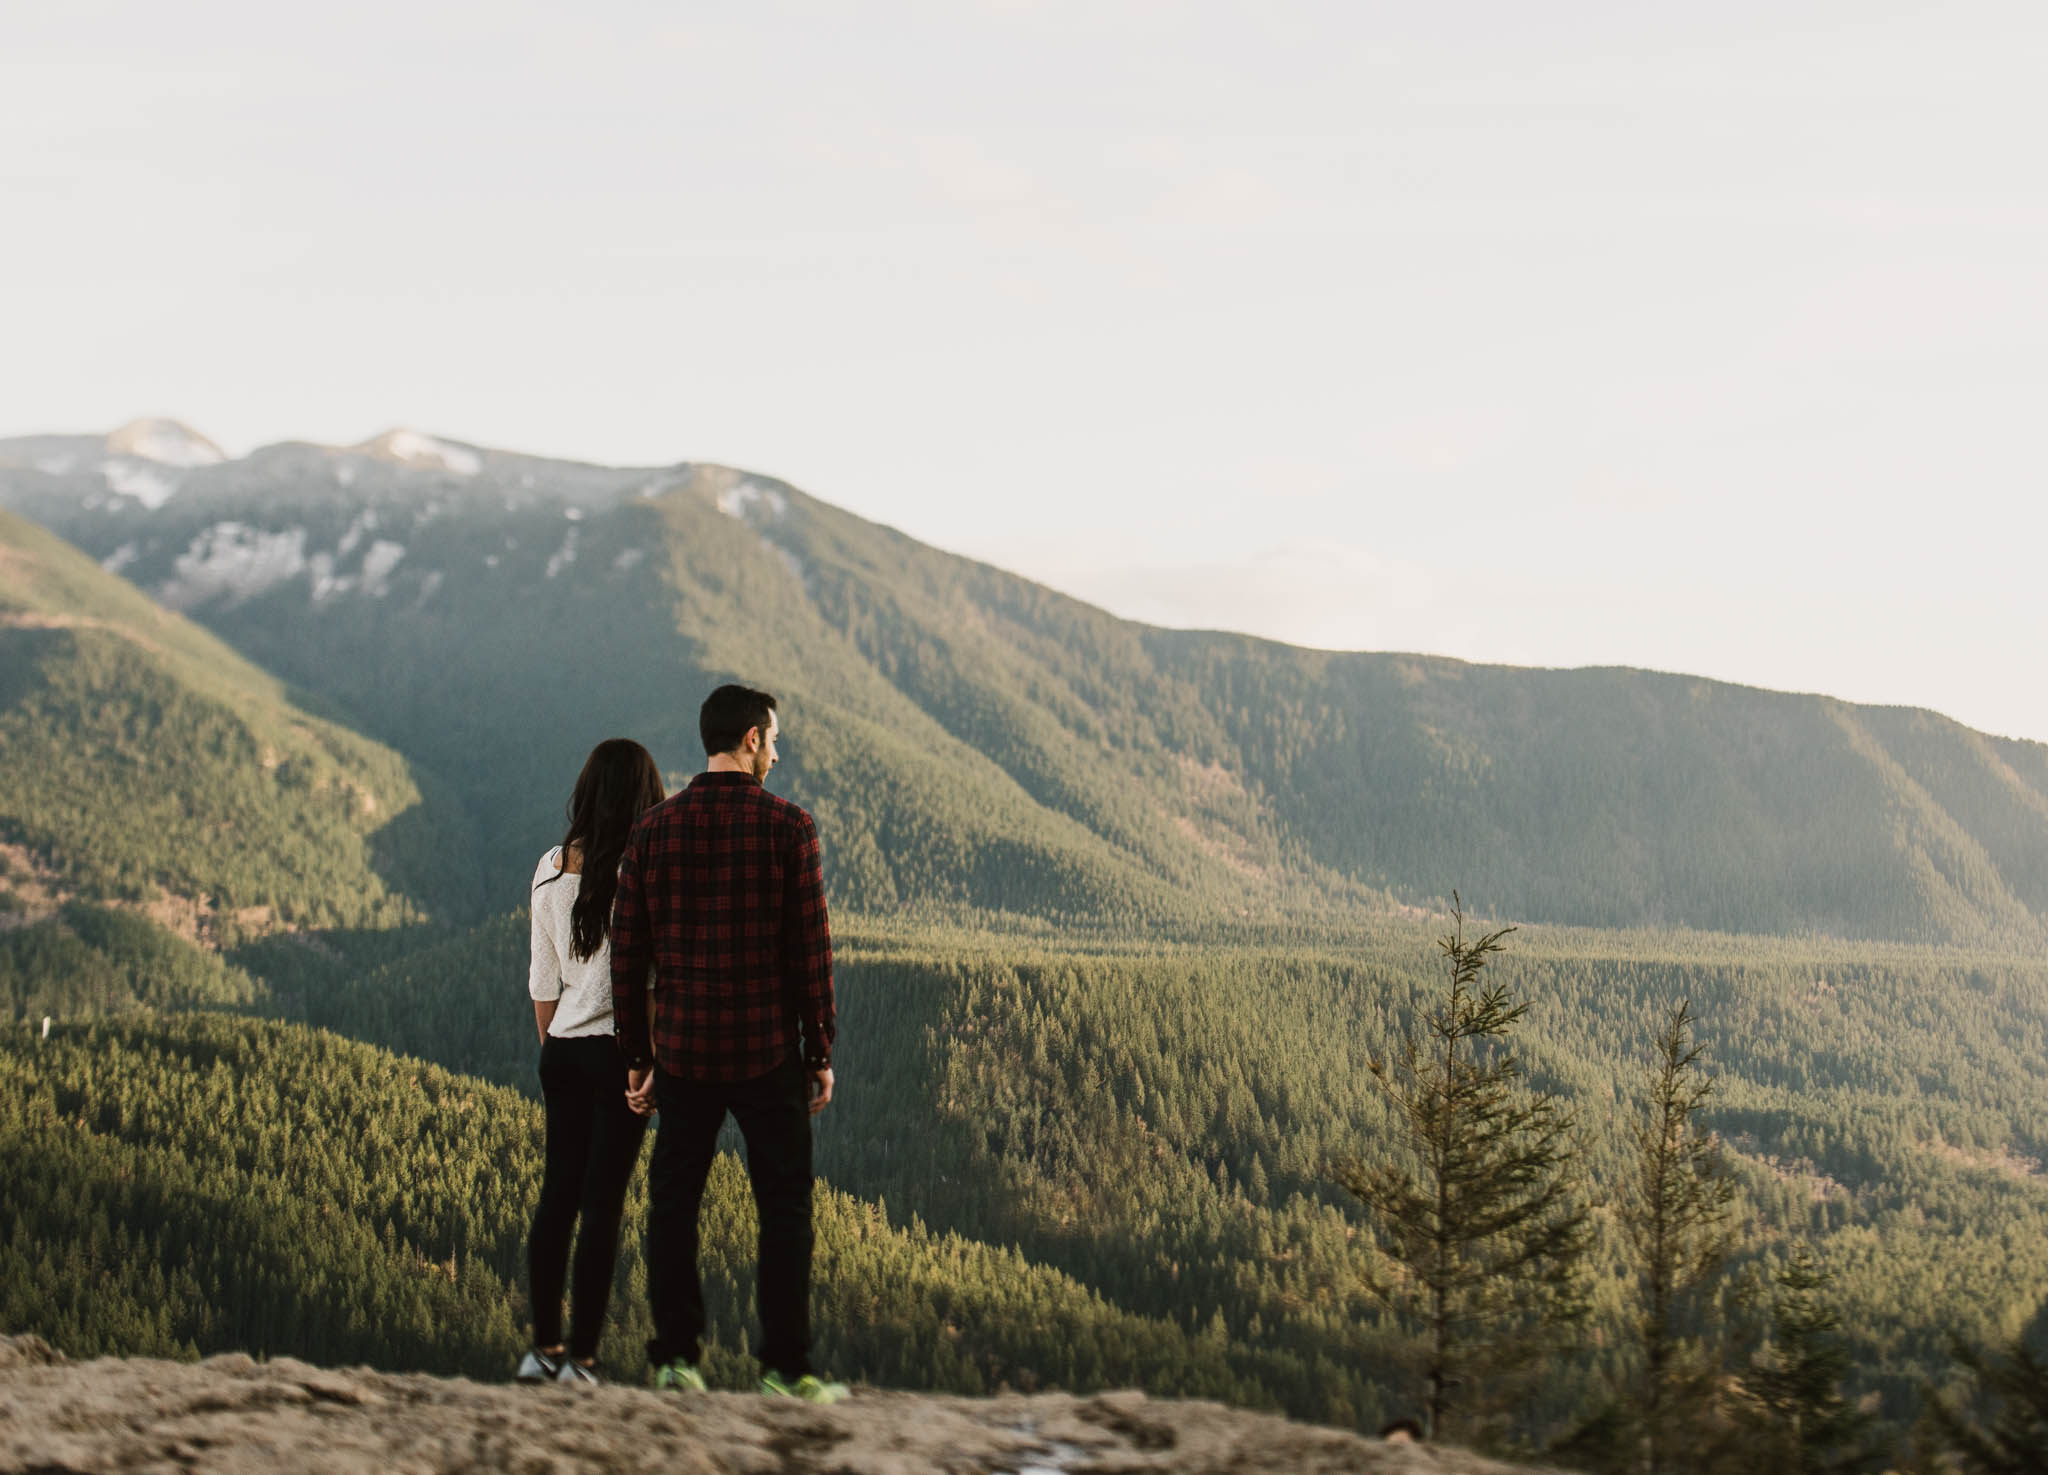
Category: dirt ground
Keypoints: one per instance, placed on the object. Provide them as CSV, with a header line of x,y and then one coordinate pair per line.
x,y
234,1415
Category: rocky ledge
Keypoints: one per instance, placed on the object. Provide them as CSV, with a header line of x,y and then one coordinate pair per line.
x,y
232,1414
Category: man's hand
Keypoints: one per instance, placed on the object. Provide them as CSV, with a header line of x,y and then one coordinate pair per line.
x,y
821,1090
640,1090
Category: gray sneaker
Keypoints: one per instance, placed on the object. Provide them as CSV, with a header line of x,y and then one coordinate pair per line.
x,y
539,1367
575,1372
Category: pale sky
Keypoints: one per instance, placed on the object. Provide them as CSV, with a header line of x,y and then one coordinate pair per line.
x,y
1709,337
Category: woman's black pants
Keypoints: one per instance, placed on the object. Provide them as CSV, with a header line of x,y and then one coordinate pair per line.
x,y
593,1142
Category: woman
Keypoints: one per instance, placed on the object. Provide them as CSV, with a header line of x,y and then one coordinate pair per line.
x,y
593,1136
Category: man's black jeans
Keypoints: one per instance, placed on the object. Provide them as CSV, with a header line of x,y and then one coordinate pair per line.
x,y
774,1115
593,1142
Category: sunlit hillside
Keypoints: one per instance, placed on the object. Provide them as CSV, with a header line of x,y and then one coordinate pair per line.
x,y
148,764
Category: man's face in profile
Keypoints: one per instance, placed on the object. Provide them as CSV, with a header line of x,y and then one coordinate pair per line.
x,y
765,756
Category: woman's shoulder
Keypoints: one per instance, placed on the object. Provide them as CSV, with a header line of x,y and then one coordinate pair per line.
x,y
550,866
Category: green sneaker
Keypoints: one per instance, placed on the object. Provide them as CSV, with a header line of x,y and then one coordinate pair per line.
x,y
810,1388
678,1376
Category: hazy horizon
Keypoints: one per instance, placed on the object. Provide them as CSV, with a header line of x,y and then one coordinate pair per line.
x,y
1693,342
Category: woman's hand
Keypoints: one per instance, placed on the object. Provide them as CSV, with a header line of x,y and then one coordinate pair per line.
x,y
544,1015
640,1091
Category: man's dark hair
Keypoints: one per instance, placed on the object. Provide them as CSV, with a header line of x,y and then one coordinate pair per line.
x,y
727,714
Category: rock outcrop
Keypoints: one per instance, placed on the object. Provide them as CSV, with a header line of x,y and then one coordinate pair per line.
x,y
237,1416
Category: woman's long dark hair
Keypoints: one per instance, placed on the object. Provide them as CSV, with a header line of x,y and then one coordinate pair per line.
x,y
619,783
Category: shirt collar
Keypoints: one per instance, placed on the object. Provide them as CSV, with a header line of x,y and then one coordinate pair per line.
x,y
725,780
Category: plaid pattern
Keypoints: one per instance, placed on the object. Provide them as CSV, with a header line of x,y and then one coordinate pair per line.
x,y
722,892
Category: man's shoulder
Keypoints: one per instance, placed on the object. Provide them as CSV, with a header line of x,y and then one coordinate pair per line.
x,y
786,810
657,816
655,813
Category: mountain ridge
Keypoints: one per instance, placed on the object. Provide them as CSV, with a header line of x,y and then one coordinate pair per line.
x,y
973,739
419,450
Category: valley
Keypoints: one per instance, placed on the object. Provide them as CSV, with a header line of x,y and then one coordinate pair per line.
x,y
1122,913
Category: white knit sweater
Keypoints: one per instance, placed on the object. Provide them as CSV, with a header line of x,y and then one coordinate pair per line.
x,y
583,985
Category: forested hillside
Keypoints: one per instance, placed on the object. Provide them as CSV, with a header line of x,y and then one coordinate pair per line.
x,y
93,962
147,763
975,743
202,1183
1159,1122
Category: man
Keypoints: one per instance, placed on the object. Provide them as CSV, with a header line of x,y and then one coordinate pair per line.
x,y
721,892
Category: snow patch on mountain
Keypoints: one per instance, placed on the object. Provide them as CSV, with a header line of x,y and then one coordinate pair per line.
x,y
326,582
740,499
120,558
372,578
665,481
563,556
145,484
166,442
628,558
365,522
790,561
235,562
383,557
424,452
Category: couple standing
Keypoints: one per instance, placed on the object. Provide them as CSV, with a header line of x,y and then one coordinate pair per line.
x,y
719,895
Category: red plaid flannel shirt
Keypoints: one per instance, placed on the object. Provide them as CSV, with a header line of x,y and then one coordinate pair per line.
x,y
721,890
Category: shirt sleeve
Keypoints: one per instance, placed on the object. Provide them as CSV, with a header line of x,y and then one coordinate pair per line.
x,y
544,964
807,946
632,950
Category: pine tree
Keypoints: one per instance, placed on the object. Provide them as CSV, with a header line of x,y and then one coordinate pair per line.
x,y
1795,1383
1674,1214
1479,1231
2016,1440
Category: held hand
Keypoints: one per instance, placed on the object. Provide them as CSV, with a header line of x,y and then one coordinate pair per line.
x,y
821,1090
640,1091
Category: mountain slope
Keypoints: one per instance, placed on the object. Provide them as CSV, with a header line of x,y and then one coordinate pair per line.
x,y
970,739
149,764
273,1189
